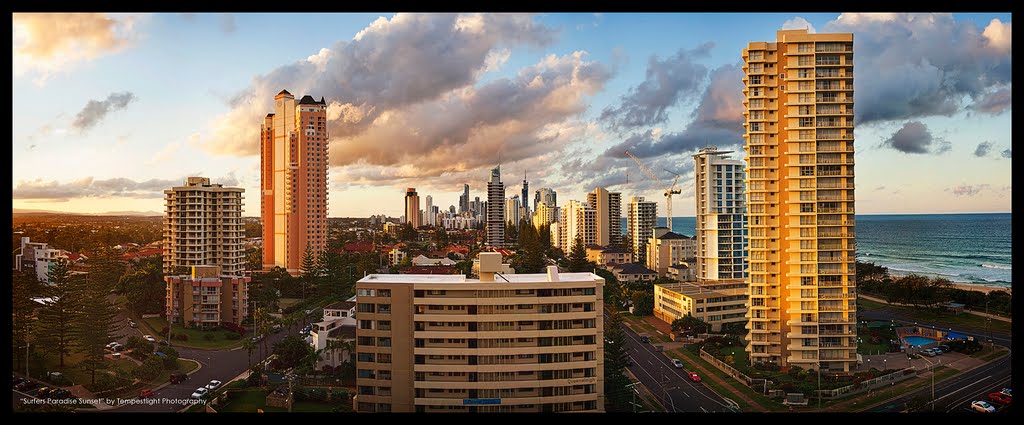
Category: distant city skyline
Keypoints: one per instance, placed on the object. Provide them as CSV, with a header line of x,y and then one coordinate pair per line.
x,y
105,121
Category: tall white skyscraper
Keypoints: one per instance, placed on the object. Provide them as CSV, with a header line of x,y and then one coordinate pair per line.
x,y
720,195
428,211
608,207
577,218
512,206
640,220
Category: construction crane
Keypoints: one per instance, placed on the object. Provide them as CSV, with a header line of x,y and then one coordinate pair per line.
x,y
669,190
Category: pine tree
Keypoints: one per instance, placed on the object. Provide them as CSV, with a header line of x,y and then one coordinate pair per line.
x,y
308,269
577,261
57,318
615,361
97,323
23,287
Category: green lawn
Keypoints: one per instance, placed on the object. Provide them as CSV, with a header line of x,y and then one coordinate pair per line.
x,y
940,318
196,337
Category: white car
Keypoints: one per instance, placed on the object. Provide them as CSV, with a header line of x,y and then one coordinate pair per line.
x,y
149,338
677,363
200,393
214,384
983,407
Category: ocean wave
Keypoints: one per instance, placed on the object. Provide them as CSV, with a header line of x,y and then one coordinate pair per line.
x,y
995,266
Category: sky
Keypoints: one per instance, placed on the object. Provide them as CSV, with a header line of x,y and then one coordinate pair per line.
x,y
110,110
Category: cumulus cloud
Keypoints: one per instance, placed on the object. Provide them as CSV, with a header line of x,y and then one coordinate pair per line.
x,y
1006,153
983,149
718,120
49,43
995,102
165,154
968,189
798,23
914,137
96,110
667,82
390,65
915,65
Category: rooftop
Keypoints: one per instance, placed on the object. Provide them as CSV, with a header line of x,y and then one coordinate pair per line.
x,y
499,278
633,268
340,305
699,292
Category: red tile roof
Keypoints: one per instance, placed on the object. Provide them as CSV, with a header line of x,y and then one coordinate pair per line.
x,y
428,270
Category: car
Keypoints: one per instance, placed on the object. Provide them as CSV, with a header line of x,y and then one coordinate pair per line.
x,y
937,351
214,384
17,380
160,354
164,342
693,376
28,384
1000,398
149,338
200,393
133,324
116,355
177,378
117,348
146,393
1007,392
981,406
928,353
677,363
44,391
645,338
944,348
58,393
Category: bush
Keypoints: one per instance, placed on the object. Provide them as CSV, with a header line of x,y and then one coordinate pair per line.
x,y
170,363
233,336
180,337
233,327
208,336
149,369
170,351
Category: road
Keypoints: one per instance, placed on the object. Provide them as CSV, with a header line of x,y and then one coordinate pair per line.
x,y
956,393
666,382
220,365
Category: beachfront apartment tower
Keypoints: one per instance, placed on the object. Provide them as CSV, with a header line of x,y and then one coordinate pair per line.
x,y
495,209
412,207
293,181
799,144
640,220
203,227
721,215
500,343
608,207
576,219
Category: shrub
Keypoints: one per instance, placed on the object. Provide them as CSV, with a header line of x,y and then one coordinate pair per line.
x,y
232,336
170,351
170,363
208,336
149,369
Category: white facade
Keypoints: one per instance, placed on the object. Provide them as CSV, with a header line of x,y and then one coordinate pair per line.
x,y
203,226
721,216
37,255
641,218
512,206
577,218
608,215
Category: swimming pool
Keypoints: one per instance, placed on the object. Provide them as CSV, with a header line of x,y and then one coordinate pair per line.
x,y
917,341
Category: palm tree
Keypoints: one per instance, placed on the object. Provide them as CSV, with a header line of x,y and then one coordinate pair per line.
x,y
249,347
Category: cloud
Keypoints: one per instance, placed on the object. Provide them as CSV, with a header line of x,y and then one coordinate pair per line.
x,y
96,110
915,65
995,102
165,154
1006,153
967,189
227,23
718,120
667,82
798,23
51,43
388,66
983,149
120,187
914,137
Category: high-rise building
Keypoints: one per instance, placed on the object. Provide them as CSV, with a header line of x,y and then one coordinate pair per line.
x,y
576,218
545,214
428,211
500,343
512,206
221,298
293,180
203,226
799,144
495,209
526,199
546,196
464,199
640,221
608,207
721,215
412,207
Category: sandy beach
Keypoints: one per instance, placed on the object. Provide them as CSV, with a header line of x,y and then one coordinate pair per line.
x,y
983,288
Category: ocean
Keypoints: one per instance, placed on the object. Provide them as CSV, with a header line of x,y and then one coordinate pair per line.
x,y
964,248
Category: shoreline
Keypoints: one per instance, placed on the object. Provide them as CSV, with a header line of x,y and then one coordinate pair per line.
x,y
985,287
982,288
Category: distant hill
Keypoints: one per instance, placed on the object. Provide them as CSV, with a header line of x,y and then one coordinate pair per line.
x,y
109,213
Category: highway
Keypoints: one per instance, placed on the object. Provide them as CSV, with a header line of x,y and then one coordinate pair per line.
x,y
666,382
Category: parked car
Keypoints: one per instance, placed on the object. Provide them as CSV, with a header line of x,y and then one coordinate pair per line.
x,y
200,393
677,363
58,393
214,384
146,393
928,353
149,338
1000,398
178,377
645,338
983,407
116,355
944,348
1007,392
26,385
693,376
16,380
132,323
164,342
160,354
44,391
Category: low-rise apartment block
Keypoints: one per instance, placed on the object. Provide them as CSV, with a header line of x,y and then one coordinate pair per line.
x,y
716,303
206,298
